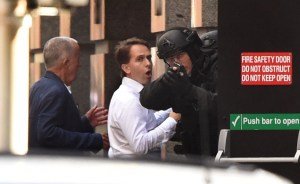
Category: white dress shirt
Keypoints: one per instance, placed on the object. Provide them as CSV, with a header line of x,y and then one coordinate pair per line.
x,y
134,130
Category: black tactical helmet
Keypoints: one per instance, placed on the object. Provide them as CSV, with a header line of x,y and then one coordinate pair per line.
x,y
177,39
209,40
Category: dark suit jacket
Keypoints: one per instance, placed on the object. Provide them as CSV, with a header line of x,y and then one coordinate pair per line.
x,y
55,121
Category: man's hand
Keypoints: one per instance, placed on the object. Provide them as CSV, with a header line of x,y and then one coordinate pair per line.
x,y
97,116
171,77
105,142
175,116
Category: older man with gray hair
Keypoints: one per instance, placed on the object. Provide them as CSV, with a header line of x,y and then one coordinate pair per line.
x,y
55,121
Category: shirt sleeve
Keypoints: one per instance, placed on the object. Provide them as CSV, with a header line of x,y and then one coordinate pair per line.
x,y
134,125
161,115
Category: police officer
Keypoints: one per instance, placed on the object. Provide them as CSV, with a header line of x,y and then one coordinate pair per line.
x,y
189,87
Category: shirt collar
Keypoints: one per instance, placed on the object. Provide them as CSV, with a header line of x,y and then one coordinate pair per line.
x,y
68,88
132,84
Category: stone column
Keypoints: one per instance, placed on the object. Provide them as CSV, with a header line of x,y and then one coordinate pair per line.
x,y
14,79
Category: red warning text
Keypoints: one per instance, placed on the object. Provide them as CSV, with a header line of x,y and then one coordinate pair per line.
x,y
266,68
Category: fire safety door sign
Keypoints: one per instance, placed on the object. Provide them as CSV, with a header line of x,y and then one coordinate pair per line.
x,y
266,68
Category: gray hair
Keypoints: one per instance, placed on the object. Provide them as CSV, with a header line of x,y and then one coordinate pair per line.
x,y
57,48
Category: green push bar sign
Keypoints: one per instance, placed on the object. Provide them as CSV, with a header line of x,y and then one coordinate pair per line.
x,y
265,121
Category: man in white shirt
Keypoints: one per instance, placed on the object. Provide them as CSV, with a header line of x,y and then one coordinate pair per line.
x,y
133,130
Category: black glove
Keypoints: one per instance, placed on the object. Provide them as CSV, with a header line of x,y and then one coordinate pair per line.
x,y
177,79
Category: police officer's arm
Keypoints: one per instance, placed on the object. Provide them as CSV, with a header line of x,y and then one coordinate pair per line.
x,y
188,94
161,93
156,95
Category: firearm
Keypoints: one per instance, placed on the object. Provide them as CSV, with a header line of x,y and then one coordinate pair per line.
x,y
179,69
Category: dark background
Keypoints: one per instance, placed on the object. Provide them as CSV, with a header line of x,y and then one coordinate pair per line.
x,y
259,26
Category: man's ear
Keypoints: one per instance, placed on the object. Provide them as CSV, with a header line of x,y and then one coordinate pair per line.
x,y
65,61
125,68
